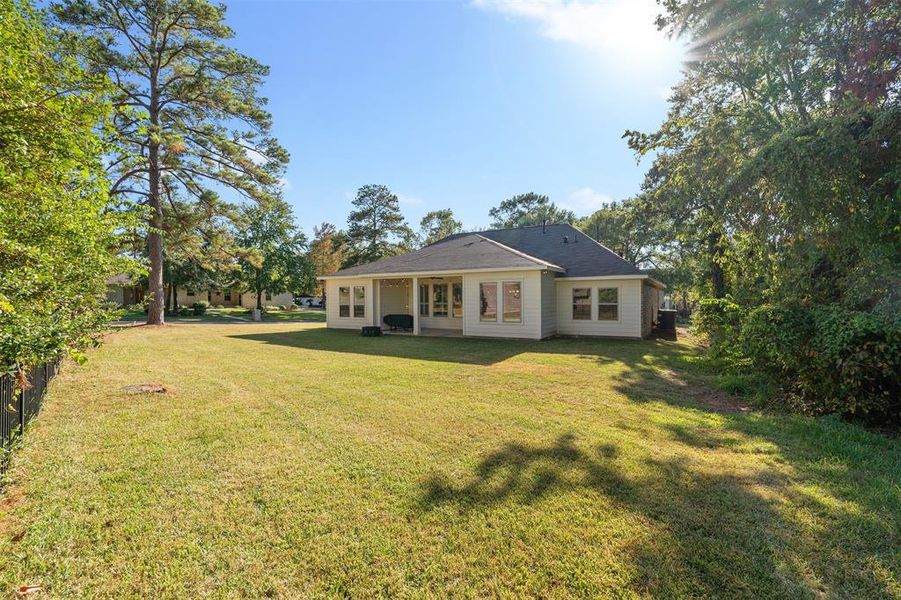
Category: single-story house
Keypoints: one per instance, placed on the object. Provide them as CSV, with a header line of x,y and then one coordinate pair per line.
x,y
231,297
529,282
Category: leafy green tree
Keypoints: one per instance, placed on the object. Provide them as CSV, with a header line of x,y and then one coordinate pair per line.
x,y
778,165
58,243
275,251
188,113
201,251
528,209
326,251
376,228
437,225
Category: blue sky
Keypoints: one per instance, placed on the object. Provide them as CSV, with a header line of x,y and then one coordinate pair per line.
x,y
458,104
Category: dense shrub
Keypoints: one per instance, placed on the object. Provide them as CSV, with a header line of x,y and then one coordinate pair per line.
x,y
200,307
828,359
719,321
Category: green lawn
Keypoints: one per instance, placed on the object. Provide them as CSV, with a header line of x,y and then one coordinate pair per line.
x,y
289,461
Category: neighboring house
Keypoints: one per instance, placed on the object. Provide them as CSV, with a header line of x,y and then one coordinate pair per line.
x,y
231,297
122,290
529,282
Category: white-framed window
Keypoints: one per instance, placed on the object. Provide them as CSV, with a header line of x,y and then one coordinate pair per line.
x,y
228,295
344,302
439,300
423,300
488,301
512,304
608,304
581,304
190,292
359,301
456,300
269,296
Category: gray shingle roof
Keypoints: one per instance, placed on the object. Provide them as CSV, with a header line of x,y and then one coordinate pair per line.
x,y
581,256
460,252
536,246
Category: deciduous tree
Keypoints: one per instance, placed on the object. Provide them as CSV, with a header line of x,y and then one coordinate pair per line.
x,y
528,209
437,225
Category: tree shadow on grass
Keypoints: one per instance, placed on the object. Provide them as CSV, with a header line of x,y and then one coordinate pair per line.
x,y
713,532
476,351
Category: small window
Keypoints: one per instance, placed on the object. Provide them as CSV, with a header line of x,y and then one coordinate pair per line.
x,y
439,300
359,301
424,300
269,296
581,304
512,302
488,301
343,301
457,300
228,295
608,304
190,292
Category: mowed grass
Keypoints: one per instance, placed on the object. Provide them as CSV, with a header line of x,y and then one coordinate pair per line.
x,y
288,460
225,315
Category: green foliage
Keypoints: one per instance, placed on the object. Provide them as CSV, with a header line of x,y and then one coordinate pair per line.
x,y
327,252
56,236
188,112
200,308
437,225
274,258
528,209
829,359
376,228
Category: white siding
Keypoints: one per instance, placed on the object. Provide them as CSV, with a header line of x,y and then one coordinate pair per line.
x,y
331,304
395,297
530,327
629,322
548,304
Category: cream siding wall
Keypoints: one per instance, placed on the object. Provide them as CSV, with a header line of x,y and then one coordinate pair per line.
x,y
331,304
629,323
649,304
396,297
548,304
530,327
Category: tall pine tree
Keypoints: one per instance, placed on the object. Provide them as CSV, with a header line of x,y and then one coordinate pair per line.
x,y
189,115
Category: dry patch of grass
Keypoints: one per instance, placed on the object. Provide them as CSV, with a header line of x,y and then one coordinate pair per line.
x,y
288,460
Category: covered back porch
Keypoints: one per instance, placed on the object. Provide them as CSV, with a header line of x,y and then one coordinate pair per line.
x,y
435,304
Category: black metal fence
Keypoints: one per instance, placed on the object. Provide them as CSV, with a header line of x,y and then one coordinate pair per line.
x,y
18,407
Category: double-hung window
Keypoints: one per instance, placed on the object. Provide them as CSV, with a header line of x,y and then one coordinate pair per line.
x,y
228,295
359,301
608,304
344,302
456,300
488,301
512,302
581,304
439,300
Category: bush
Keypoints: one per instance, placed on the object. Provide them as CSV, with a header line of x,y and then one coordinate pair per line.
x,y
183,311
829,359
718,320
282,307
199,308
218,306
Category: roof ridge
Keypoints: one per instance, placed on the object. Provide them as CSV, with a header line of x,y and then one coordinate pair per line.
x,y
520,253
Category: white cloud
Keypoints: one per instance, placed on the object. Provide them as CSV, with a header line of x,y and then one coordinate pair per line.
x,y
285,183
585,201
623,30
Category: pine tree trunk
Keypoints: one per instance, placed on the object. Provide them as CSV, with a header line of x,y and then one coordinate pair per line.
x,y
155,313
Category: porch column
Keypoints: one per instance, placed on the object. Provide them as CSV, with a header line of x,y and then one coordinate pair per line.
x,y
415,306
376,302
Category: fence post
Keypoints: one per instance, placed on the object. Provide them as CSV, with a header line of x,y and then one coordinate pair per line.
x,y
21,411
